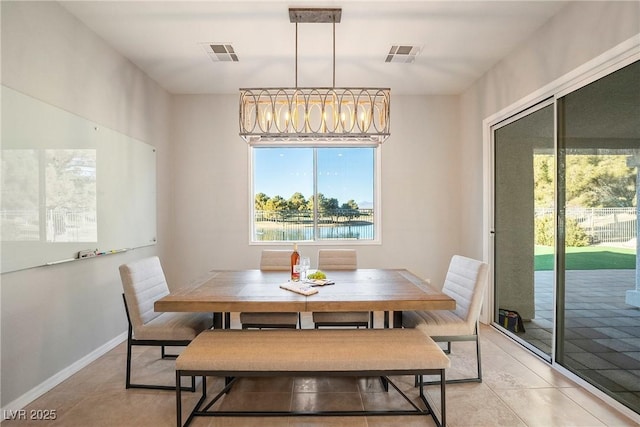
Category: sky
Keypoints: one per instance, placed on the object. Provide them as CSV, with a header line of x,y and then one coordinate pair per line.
x,y
343,173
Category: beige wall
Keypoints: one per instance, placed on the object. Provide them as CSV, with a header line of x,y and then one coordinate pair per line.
x,y
420,189
54,316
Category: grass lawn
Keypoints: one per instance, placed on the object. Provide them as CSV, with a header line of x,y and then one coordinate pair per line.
x,y
588,258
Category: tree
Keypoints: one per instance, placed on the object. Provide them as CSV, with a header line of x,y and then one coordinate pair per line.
x,y
543,178
260,202
310,204
350,210
592,181
276,203
297,202
597,181
276,207
320,202
329,207
351,204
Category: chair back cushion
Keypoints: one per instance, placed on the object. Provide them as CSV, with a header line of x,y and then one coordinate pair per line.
x,y
143,282
466,282
337,259
275,260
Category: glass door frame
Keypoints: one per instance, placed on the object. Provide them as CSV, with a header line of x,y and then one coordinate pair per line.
x,y
533,108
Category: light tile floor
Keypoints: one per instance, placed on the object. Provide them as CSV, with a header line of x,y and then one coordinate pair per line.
x,y
518,390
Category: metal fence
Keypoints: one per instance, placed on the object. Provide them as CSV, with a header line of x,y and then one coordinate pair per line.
x,y
603,225
290,225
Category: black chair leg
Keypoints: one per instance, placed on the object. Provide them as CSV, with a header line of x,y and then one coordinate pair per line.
x,y
477,379
128,384
478,358
128,375
164,354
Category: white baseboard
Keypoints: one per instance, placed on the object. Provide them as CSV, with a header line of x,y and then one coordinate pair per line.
x,y
56,379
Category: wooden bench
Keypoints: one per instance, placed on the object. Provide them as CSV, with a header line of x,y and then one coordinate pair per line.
x,y
311,352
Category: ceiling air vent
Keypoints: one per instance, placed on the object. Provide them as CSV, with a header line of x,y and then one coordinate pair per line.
x,y
220,52
403,53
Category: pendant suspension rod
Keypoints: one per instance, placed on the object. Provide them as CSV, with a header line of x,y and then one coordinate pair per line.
x,y
334,53
296,54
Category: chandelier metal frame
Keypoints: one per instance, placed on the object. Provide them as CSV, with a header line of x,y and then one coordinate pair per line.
x,y
314,114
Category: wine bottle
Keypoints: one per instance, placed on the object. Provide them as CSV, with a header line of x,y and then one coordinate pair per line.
x,y
295,260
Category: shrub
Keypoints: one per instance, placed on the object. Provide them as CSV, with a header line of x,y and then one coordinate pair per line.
x,y
575,235
544,230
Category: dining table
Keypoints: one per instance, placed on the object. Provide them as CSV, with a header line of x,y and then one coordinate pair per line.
x,y
226,291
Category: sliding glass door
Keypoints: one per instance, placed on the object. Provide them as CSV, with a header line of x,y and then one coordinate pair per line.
x,y
524,226
566,191
598,330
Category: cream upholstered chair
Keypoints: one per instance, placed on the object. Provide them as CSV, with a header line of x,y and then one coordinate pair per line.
x,y
143,282
337,259
272,260
465,282
340,259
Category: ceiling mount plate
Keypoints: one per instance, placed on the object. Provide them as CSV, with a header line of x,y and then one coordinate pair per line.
x,y
317,15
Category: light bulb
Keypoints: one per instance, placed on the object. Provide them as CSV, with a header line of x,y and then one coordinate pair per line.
x,y
362,121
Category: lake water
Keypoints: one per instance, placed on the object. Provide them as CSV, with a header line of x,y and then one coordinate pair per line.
x,y
295,232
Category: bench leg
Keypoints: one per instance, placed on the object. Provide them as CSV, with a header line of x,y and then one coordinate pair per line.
x,y
203,397
443,399
178,400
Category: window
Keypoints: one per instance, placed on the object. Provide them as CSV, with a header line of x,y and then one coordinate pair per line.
x,y
314,194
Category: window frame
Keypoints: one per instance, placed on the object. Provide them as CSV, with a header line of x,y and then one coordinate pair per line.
x,y
377,197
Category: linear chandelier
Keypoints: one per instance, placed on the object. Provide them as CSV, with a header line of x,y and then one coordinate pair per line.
x,y
314,114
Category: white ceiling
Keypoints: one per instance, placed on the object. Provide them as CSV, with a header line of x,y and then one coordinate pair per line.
x,y
461,40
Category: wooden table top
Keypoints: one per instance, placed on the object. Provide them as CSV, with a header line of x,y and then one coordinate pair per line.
x,y
259,291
